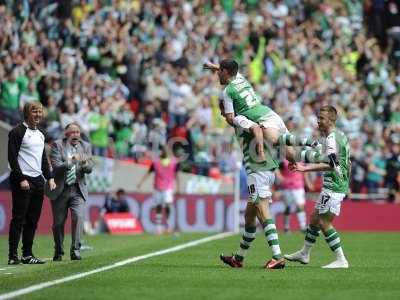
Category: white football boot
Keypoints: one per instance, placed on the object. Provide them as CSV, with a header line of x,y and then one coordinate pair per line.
x,y
341,263
299,256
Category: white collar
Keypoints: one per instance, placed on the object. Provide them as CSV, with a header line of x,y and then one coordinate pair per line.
x,y
27,126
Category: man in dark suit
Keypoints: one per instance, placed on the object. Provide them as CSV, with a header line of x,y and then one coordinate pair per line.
x,y
29,166
71,160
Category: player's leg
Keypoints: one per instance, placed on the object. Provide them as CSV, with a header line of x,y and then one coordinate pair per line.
x,y
327,206
249,234
286,219
311,156
289,139
312,233
333,240
166,213
300,200
158,199
277,134
271,234
301,217
168,199
159,211
332,202
272,130
288,199
260,194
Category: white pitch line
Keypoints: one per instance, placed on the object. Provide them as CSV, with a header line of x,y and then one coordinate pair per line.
x,y
7,268
40,286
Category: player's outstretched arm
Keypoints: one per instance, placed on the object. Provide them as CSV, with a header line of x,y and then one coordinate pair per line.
x,y
210,66
144,178
311,156
321,167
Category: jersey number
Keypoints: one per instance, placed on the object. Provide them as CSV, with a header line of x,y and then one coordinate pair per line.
x,y
325,199
249,96
252,189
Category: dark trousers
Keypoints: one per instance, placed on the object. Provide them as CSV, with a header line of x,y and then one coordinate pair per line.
x,y
70,198
26,208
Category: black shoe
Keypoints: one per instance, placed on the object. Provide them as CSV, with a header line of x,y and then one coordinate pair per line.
x,y
57,257
31,260
75,255
14,261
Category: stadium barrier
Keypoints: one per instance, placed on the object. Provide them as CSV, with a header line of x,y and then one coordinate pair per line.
x,y
214,213
111,174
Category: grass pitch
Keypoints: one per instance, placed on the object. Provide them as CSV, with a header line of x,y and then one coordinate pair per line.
x,y
197,273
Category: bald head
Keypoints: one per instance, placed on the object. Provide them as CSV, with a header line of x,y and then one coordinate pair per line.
x,y
73,133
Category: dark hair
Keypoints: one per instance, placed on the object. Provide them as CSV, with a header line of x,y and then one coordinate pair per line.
x,y
332,112
120,191
230,65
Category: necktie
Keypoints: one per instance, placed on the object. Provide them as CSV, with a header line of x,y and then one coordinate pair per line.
x,y
71,175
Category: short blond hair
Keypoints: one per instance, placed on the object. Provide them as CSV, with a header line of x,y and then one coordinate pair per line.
x,y
29,106
331,111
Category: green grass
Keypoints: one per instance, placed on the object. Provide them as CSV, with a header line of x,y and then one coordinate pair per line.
x,y
197,273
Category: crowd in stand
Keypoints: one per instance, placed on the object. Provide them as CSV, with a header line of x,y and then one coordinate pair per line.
x,y
130,72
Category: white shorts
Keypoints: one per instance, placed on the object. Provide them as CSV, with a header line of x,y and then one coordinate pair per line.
x,y
297,196
259,185
274,121
163,197
329,201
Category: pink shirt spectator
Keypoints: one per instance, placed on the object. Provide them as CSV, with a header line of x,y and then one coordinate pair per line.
x,y
164,174
291,180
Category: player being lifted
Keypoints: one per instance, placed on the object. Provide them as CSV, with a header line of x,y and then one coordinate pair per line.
x,y
260,177
243,108
334,189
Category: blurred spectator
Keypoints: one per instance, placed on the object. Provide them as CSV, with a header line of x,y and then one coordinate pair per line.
x,y
376,170
100,55
115,203
100,125
358,166
10,99
392,178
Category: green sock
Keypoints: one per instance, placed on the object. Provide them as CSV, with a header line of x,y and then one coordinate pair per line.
x,y
248,237
310,238
288,139
311,156
272,238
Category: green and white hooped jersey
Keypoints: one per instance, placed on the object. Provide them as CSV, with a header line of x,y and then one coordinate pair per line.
x,y
336,142
250,161
240,98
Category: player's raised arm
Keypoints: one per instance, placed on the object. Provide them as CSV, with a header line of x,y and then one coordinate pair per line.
x,y
210,66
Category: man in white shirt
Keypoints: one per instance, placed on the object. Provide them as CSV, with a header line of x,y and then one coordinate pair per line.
x,y
29,169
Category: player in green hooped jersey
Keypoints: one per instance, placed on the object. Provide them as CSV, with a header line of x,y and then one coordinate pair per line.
x,y
243,108
336,168
260,177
